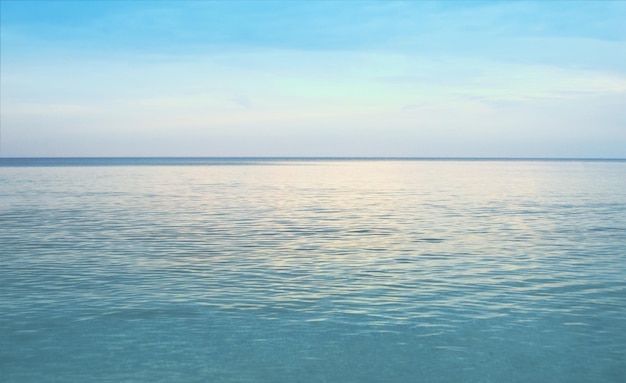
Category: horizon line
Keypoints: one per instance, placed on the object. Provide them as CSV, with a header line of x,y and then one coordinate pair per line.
x,y
494,158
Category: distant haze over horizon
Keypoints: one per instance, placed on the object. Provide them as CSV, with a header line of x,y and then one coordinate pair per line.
x,y
313,79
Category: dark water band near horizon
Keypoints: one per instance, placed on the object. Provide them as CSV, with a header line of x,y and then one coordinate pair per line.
x,y
190,161
312,270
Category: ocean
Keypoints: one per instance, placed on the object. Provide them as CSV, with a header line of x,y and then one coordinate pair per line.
x,y
312,270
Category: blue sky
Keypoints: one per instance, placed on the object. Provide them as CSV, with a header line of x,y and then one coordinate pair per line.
x,y
313,78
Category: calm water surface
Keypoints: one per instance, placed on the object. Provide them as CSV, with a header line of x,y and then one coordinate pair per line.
x,y
312,271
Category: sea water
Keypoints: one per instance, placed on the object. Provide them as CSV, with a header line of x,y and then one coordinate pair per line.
x,y
287,270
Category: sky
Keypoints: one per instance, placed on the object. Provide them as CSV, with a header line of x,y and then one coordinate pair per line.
x,y
313,78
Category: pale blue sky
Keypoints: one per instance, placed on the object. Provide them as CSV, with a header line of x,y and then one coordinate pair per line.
x,y
313,78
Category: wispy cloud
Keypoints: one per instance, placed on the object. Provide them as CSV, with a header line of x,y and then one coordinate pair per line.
x,y
242,101
313,73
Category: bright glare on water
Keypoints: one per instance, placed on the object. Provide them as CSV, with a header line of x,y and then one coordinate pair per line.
x,y
312,271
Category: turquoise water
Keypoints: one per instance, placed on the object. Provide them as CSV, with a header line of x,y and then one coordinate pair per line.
x,y
249,270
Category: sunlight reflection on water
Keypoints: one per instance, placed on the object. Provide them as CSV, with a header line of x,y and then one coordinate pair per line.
x,y
314,271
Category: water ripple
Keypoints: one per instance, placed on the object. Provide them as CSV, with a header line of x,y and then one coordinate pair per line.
x,y
314,265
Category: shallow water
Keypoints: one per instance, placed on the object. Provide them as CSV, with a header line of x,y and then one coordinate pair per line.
x,y
249,270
